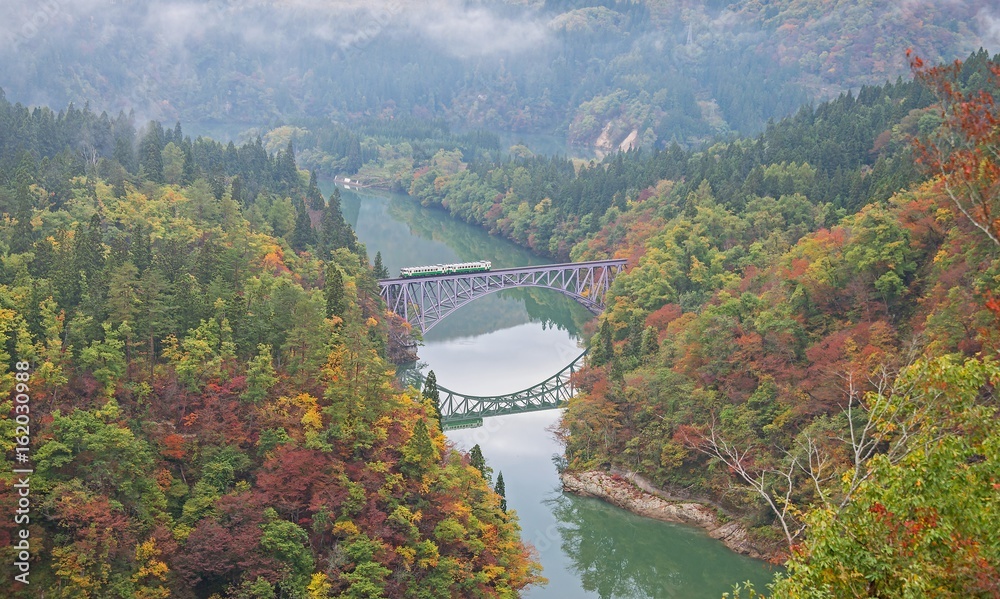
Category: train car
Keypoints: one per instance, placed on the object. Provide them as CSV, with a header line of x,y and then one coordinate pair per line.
x,y
445,269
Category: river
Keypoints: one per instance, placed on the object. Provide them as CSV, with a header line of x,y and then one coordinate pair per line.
x,y
509,341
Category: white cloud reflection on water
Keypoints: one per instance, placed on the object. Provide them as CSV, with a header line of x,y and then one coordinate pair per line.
x,y
502,361
522,447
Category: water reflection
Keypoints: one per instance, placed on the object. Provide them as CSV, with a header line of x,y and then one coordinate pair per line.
x,y
500,361
407,233
512,340
590,548
619,555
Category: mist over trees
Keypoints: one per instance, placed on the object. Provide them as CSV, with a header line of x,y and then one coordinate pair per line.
x,y
668,71
806,335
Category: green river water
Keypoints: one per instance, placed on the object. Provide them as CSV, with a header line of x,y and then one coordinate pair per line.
x,y
509,341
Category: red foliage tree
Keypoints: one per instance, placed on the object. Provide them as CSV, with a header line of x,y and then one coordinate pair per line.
x,y
227,548
296,481
173,447
964,152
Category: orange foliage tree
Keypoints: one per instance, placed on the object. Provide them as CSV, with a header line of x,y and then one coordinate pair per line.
x,y
964,152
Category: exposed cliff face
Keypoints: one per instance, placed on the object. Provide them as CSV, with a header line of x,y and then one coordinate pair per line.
x,y
606,144
625,494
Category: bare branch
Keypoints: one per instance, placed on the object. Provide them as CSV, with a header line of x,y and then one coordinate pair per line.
x,y
735,459
883,421
958,204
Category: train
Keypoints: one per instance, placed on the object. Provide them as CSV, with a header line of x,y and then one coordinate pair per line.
x,y
445,269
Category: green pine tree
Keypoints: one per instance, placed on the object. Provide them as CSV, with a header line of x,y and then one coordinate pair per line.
x,y
432,395
261,375
189,172
477,461
313,196
336,233
650,345
287,171
501,491
302,235
603,349
140,248
379,269
23,230
151,153
633,340
89,249
419,453
333,289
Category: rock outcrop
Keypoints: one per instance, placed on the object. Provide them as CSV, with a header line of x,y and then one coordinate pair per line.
x,y
621,492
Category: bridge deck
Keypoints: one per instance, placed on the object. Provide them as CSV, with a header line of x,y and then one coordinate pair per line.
x,y
513,270
425,301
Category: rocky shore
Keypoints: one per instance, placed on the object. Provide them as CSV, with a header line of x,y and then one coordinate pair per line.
x,y
625,492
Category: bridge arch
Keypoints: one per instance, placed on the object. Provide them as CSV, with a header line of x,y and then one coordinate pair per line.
x,y
551,393
426,301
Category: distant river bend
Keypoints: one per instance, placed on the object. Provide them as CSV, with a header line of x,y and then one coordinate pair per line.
x,y
509,341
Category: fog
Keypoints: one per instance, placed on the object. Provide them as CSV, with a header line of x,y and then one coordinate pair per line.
x,y
460,28
505,65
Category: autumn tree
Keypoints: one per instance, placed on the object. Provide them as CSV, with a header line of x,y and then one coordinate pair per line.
x,y
51,370
432,395
90,446
922,523
501,490
151,572
166,472
202,352
964,151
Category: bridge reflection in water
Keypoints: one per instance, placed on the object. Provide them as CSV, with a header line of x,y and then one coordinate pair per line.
x,y
459,410
425,301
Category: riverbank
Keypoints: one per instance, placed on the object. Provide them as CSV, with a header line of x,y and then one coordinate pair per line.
x,y
500,343
633,494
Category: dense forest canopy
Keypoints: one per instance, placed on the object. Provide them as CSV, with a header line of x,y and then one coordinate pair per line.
x,y
784,291
830,375
211,407
806,337
595,71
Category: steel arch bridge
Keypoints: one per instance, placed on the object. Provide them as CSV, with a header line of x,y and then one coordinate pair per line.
x,y
426,301
551,393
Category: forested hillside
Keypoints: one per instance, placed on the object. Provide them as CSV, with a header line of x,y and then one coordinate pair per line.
x,y
203,390
825,154
809,322
830,375
196,370
595,72
841,154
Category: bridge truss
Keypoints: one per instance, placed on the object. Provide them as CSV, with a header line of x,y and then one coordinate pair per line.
x,y
551,393
426,301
